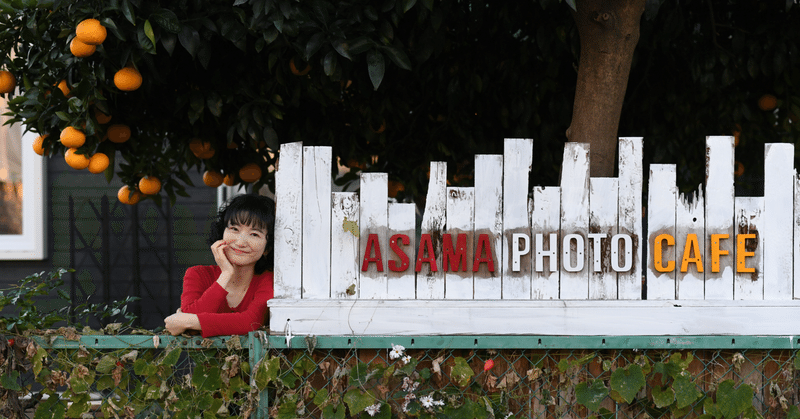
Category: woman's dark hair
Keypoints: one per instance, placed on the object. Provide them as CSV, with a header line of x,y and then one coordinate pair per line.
x,y
255,211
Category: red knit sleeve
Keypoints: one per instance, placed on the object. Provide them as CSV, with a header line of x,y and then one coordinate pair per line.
x,y
201,292
240,323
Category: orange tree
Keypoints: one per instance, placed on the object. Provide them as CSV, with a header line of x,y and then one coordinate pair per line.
x,y
391,84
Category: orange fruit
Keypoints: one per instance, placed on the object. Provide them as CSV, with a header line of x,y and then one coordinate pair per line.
x,y
128,196
229,180
739,169
767,102
250,172
72,137
201,149
212,178
62,85
101,117
81,50
7,82
149,185
295,71
38,145
119,133
75,160
91,32
98,163
127,79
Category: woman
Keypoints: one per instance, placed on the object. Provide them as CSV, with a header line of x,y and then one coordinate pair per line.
x,y
231,297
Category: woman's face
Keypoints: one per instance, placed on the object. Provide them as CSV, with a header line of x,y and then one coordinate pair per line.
x,y
246,245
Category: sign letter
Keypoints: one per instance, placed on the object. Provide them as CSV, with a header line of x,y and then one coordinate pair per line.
x,y
484,247
372,242
455,257
395,242
716,252
567,252
692,247
515,250
615,253
741,252
426,247
658,254
550,254
596,239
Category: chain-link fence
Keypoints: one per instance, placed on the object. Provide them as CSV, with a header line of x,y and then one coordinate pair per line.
x,y
136,376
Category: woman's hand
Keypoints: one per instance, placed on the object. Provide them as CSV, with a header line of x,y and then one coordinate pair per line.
x,y
218,249
181,322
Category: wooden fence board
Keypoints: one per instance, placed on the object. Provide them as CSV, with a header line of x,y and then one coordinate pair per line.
x,y
778,216
460,220
603,200
631,179
374,221
402,220
317,222
574,221
345,257
545,219
719,217
661,202
517,160
796,229
489,221
749,220
288,221
690,260
430,282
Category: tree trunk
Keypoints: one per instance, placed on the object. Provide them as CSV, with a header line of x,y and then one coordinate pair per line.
x,y
609,31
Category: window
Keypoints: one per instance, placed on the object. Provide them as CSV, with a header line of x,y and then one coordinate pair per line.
x,y
22,188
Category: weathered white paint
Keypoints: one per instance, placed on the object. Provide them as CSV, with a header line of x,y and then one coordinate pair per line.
x,y
317,222
289,221
661,201
574,218
545,220
402,220
603,221
430,284
374,220
749,220
719,214
541,317
690,219
517,160
345,256
796,229
778,218
460,220
631,179
489,220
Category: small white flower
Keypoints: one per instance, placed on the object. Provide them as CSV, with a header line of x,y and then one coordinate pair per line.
x,y
395,354
406,359
373,410
427,401
438,402
507,416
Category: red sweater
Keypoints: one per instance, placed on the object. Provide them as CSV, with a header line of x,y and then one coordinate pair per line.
x,y
204,297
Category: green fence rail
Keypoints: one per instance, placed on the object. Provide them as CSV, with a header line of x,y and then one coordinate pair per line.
x,y
142,376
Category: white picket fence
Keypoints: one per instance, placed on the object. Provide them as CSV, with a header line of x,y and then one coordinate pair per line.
x,y
503,257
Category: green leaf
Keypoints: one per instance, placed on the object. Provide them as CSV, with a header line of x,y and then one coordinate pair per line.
x,y
628,381
793,412
9,381
408,4
267,371
106,364
321,396
462,373
171,358
398,56
376,67
166,19
591,394
314,44
190,39
127,11
663,398
686,391
148,32
80,404
733,401
357,401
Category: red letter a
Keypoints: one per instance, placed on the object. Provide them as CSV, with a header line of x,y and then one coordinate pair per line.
x,y
372,242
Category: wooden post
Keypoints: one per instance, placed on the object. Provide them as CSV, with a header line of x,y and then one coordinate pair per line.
x,y
345,257
574,221
489,221
373,238
545,219
719,218
661,232
749,250
430,283
517,160
778,217
690,230
460,221
631,179
402,221
317,222
603,206
289,221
